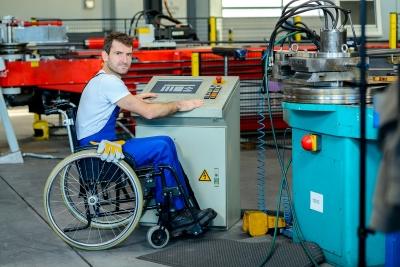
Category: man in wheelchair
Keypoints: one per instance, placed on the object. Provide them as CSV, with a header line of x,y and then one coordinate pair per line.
x,y
99,106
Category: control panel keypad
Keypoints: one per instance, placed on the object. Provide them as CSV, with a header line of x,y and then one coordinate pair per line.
x,y
212,92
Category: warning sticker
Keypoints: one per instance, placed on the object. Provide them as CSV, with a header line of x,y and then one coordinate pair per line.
x,y
204,177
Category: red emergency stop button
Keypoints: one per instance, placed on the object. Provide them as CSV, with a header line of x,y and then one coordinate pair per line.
x,y
218,79
310,142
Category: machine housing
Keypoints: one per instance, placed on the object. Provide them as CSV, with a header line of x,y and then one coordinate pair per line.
x,y
207,140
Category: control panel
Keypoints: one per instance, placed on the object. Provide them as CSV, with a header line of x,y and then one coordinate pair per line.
x,y
214,90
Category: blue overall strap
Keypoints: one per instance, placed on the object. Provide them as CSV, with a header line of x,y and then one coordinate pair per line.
x,y
106,133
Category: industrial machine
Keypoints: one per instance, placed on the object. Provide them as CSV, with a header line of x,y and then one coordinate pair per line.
x,y
321,105
207,140
156,34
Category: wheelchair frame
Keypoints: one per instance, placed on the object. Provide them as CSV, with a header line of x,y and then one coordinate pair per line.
x,y
91,210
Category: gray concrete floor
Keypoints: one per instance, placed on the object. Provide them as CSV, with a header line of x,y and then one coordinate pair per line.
x,y
26,238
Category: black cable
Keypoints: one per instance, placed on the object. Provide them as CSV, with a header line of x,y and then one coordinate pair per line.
x,y
319,6
283,19
311,35
132,21
326,11
137,22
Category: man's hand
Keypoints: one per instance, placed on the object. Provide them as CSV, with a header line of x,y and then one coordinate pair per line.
x,y
110,151
187,105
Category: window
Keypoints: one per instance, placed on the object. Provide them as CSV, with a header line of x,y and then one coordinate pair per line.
x,y
259,8
374,17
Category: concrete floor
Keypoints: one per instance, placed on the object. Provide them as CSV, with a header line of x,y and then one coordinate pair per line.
x,y
26,238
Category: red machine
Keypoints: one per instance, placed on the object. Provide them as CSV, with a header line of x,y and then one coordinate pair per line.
x,y
49,78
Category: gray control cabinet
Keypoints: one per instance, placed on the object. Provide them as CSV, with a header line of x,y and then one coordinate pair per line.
x,y
207,140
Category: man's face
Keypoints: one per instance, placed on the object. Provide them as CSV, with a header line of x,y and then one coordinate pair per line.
x,y
119,59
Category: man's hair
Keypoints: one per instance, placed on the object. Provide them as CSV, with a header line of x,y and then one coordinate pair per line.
x,y
117,36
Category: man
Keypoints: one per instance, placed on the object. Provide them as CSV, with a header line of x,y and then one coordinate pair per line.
x,y
106,94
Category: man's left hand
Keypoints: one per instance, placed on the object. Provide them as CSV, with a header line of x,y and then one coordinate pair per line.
x,y
110,151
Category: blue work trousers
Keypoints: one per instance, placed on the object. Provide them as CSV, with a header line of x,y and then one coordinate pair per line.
x,y
147,151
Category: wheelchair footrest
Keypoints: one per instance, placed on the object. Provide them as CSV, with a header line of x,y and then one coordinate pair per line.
x,y
192,224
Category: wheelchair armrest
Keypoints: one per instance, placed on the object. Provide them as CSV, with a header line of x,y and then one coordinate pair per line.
x,y
86,147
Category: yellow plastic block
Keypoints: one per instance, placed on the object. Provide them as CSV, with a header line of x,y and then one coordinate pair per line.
x,y
255,223
271,222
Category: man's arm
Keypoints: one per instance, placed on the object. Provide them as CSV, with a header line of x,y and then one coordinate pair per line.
x,y
141,106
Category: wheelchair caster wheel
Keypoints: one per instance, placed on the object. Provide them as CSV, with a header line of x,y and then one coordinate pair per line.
x,y
158,236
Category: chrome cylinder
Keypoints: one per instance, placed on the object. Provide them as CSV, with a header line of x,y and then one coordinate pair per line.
x,y
333,41
9,36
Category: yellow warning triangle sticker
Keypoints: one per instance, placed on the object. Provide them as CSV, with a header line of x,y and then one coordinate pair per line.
x,y
204,177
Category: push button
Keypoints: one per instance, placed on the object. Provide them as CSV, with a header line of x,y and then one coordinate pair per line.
x,y
213,95
218,79
310,142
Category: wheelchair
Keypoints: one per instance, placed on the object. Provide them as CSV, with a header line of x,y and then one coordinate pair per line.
x,y
94,205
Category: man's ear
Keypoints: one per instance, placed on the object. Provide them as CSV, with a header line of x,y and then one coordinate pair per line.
x,y
104,55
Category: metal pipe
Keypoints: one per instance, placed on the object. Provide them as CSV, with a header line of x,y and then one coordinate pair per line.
x,y
226,60
9,30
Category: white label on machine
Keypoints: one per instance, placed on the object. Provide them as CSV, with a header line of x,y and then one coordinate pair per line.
x,y
317,202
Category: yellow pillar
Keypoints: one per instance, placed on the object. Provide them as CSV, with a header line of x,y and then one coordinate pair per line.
x,y
297,36
393,30
195,64
213,30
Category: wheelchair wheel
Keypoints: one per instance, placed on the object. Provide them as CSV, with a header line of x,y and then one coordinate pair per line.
x,y
158,236
68,189
92,204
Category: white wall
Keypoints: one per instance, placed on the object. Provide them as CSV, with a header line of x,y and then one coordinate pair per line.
x,y
127,8
63,9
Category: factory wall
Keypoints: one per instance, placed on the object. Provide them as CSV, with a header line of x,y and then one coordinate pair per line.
x,y
49,9
243,28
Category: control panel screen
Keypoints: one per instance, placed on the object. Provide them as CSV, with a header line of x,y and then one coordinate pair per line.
x,y
176,86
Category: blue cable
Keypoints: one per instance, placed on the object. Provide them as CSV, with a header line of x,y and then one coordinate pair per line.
x,y
261,166
261,172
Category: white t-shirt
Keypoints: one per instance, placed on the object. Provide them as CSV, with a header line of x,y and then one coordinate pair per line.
x,y
98,102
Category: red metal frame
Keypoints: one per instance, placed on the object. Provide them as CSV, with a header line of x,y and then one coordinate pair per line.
x,y
69,75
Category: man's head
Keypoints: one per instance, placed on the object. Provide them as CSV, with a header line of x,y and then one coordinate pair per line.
x,y
117,53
